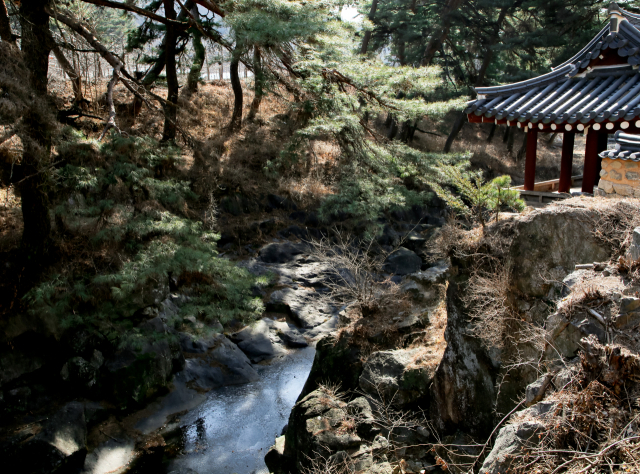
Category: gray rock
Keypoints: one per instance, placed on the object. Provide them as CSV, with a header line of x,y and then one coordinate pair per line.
x,y
402,262
412,289
627,320
566,334
629,304
544,247
386,374
154,326
304,306
381,468
541,409
168,310
510,441
258,341
414,241
293,338
219,362
81,372
433,275
464,379
316,428
258,349
138,375
281,252
633,253
366,426
328,327
200,375
533,389
571,279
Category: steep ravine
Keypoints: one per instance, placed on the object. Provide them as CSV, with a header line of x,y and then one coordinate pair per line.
x,y
438,371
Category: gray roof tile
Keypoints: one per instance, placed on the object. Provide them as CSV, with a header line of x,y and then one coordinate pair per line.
x,y
627,147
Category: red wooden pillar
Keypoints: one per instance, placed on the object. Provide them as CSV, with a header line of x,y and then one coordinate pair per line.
x,y
566,162
603,138
530,161
590,171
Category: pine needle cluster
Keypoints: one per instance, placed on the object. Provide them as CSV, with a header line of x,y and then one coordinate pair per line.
x,y
154,245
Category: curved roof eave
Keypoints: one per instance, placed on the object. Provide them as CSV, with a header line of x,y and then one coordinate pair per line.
x,y
533,82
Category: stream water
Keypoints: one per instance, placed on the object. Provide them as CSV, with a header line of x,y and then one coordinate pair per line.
x,y
233,429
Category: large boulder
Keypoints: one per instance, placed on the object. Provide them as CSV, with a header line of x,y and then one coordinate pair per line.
x,y
402,262
215,362
512,440
319,425
336,361
463,392
633,253
302,305
393,376
259,341
16,363
281,252
544,247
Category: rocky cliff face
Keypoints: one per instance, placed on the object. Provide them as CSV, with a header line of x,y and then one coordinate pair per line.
x,y
443,368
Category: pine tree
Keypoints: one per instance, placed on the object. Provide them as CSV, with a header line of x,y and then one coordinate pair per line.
x,y
476,197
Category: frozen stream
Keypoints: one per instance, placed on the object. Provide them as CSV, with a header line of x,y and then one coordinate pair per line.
x,y
233,429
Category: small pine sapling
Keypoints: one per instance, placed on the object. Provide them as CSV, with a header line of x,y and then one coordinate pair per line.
x,y
476,197
504,196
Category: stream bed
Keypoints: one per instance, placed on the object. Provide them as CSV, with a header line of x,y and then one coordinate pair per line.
x,y
233,429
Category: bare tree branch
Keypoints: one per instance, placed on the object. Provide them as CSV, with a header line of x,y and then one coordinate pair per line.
x,y
140,11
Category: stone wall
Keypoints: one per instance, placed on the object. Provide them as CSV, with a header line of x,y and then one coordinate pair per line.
x,y
619,177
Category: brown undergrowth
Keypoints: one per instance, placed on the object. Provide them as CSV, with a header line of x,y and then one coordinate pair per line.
x,y
593,423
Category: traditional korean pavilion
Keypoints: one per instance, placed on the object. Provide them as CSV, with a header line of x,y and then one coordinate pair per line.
x,y
596,92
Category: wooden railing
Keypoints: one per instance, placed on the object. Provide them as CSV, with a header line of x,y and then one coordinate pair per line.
x,y
546,192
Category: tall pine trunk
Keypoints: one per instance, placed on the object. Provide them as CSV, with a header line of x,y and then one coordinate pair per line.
x,y
441,33
236,118
37,140
198,62
367,34
258,87
154,72
170,109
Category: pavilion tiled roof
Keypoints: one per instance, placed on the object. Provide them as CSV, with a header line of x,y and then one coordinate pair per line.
x,y
573,92
627,148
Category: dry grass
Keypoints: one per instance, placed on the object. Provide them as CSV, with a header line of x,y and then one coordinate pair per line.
x,y
594,425
10,219
222,162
